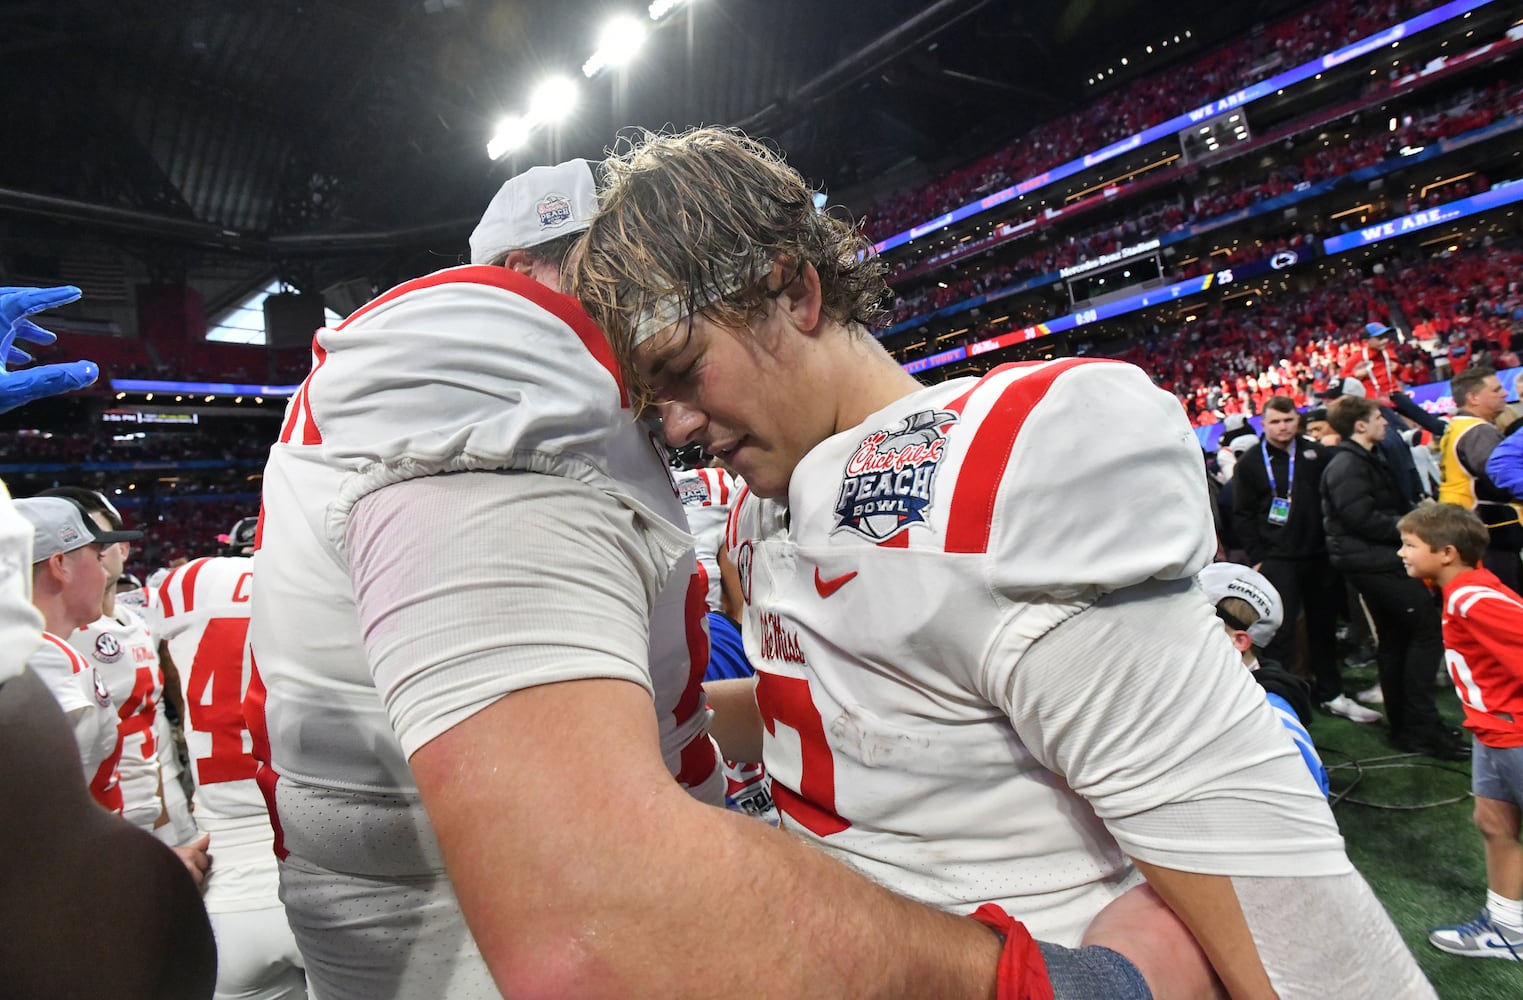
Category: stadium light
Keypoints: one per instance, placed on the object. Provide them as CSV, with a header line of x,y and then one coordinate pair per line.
x,y
660,8
511,133
552,101
619,42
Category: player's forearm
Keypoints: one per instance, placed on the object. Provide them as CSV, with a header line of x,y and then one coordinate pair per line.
x,y
1209,907
580,887
737,722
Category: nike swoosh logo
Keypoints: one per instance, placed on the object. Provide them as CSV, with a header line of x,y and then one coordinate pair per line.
x,y
827,587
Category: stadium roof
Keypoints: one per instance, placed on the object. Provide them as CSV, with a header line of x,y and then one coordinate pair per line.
x,y
310,136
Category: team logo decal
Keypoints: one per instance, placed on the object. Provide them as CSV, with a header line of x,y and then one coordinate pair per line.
x,y
743,559
102,694
888,479
693,493
68,534
107,649
554,211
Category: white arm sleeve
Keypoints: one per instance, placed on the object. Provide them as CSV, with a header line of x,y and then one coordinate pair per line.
x,y
20,624
1143,706
474,585
1329,937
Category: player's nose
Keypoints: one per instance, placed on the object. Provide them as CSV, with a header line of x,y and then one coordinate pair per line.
x,y
681,423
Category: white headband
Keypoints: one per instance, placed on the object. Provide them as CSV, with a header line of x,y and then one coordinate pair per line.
x,y
667,311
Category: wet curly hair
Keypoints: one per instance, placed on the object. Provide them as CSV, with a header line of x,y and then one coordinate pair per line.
x,y
700,219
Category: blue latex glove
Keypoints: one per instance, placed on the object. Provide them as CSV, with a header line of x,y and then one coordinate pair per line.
x,y
20,387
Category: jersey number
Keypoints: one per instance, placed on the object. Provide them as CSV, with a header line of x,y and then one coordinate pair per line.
x,y
219,665
786,700
137,712
1464,682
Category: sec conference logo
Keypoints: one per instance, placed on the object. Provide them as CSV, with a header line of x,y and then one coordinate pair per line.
x,y
107,649
887,483
744,557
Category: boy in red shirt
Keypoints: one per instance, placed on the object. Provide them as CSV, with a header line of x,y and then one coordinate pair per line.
x,y
1483,649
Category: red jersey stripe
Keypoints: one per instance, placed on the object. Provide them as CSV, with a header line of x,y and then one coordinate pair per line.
x,y
75,660
309,432
695,616
731,530
188,585
563,307
957,404
293,414
697,762
988,454
259,741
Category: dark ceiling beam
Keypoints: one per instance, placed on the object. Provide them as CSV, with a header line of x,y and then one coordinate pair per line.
x,y
190,233
873,56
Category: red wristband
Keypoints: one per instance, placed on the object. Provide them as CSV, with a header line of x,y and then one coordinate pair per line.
x,y
1022,972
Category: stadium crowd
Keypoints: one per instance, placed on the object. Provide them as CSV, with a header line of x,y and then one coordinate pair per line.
x,y
1151,99
1231,359
1455,115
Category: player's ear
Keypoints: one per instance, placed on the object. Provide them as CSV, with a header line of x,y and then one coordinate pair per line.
x,y
801,297
58,566
519,260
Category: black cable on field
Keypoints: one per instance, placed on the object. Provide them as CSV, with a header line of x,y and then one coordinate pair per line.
x,y
1386,762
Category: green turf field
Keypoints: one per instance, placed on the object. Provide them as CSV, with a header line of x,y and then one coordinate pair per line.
x,y
1426,864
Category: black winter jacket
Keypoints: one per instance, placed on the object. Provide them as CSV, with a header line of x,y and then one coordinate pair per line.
x,y
1301,536
1361,503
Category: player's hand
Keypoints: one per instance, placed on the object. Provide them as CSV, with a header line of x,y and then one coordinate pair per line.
x,y
20,387
1140,925
197,861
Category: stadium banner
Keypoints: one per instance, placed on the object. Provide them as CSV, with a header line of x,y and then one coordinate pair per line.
x,y
1237,99
1497,197
201,388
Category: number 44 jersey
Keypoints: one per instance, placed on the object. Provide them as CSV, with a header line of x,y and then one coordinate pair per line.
x,y
204,610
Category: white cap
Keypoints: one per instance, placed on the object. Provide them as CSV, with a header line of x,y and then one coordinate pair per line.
x,y
1242,443
60,526
1226,579
537,206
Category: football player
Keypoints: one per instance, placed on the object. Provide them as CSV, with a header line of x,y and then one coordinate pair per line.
x,y
985,674
204,619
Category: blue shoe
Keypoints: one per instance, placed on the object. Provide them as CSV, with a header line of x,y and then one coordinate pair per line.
x,y
1480,938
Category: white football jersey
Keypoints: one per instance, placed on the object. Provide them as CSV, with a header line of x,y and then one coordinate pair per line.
x,y
204,616
468,369
125,655
79,690
919,556
705,495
